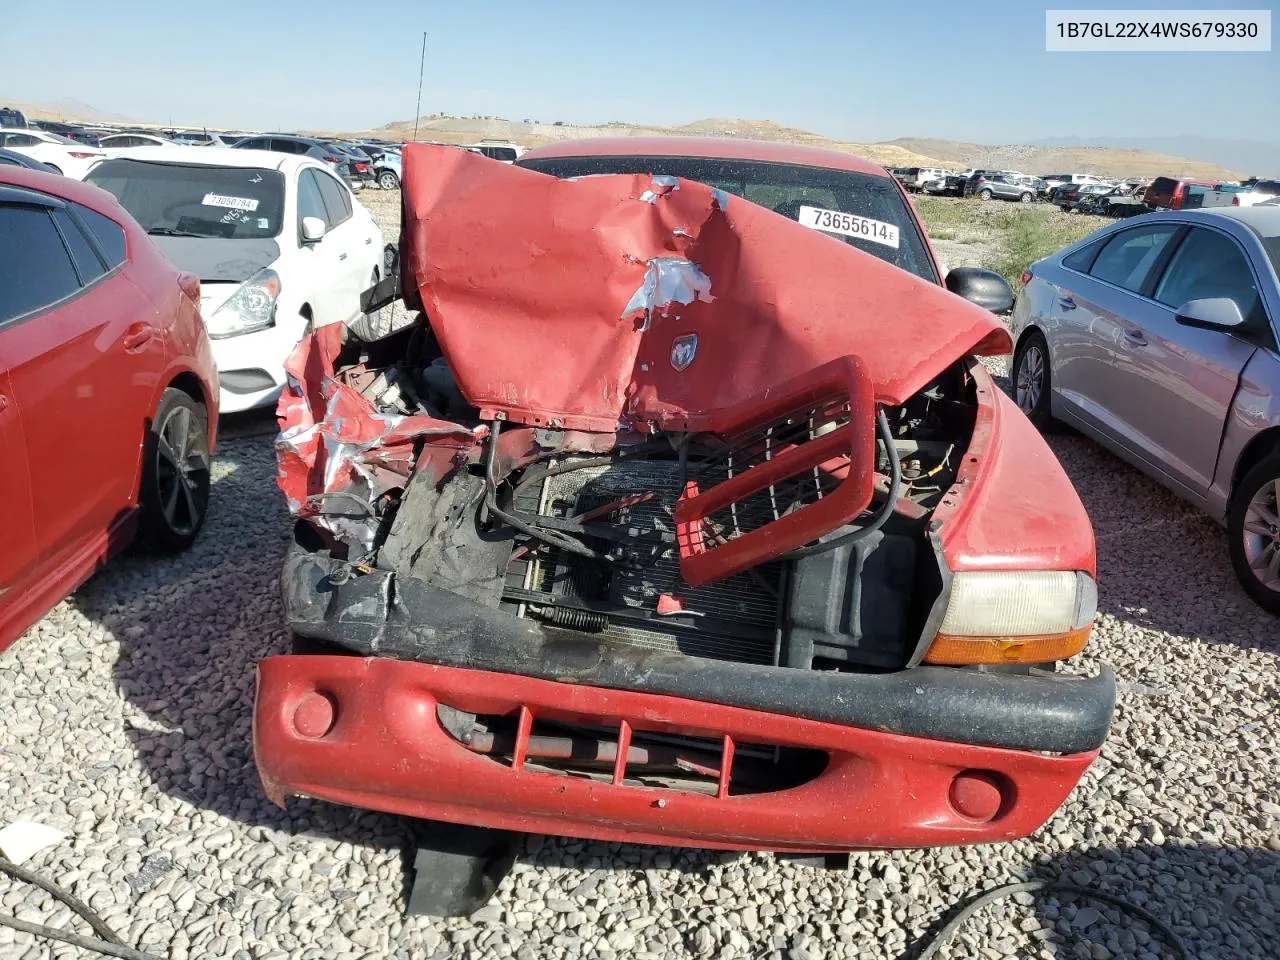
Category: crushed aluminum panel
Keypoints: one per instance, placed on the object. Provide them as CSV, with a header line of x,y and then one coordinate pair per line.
x,y
511,264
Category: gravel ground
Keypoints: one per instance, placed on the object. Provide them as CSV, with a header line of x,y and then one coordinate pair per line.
x,y
127,724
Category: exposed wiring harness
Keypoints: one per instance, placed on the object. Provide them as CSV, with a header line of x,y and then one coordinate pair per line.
x,y
550,537
106,943
882,515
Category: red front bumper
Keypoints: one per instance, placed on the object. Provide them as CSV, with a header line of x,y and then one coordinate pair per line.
x,y
372,739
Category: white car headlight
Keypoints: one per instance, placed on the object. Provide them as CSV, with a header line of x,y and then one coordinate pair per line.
x,y
1015,616
252,307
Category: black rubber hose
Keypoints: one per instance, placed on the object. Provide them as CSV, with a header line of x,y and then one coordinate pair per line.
x,y
886,511
105,947
943,936
110,944
549,537
51,888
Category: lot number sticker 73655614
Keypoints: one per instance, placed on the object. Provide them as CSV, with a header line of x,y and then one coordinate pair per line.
x,y
849,224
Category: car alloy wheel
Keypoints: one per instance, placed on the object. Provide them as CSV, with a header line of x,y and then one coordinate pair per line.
x,y
1025,198
1032,379
1253,532
181,454
1029,385
387,180
1262,534
174,495
985,194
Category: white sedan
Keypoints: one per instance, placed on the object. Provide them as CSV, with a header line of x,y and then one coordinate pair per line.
x,y
279,244
118,141
65,155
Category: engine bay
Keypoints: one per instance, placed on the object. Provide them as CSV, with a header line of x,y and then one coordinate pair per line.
x,y
580,532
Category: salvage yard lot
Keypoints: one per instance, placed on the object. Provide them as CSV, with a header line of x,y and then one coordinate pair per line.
x,y
1000,236
128,724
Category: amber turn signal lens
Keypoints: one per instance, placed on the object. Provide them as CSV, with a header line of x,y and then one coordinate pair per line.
x,y
957,651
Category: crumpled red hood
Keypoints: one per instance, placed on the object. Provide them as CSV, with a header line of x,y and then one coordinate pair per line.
x,y
573,302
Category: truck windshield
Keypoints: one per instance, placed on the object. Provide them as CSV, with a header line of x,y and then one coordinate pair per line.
x,y
865,211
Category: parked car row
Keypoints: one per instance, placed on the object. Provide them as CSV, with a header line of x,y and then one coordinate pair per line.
x,y
1086,193
74,149
64,155
984,184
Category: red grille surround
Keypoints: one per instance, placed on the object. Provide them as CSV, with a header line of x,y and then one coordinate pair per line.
x,y
774,482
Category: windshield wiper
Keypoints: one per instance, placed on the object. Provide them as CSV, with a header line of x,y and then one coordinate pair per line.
x,y
171,232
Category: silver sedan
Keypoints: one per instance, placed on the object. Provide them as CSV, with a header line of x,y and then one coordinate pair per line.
x,y
1158,338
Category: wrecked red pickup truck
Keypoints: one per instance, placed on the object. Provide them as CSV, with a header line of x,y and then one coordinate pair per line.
x,y
673,520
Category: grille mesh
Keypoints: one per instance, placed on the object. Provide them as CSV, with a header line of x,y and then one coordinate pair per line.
x,y
738,613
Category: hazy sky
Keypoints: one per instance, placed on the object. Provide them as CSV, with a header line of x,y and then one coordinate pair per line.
x,y
850,70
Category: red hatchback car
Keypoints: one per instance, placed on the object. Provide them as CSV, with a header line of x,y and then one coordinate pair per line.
x,y
106,383
678,518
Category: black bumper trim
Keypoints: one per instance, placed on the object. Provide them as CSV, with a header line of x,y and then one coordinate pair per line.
x,y
379,615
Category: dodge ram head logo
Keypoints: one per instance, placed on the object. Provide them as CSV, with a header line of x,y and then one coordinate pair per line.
x,y
683,350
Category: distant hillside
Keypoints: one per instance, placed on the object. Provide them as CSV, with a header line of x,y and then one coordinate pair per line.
x,y
1102,161
67,109
1257,157
531,134
905,152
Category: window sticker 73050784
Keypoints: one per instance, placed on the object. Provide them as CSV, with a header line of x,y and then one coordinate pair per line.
x,y
849,224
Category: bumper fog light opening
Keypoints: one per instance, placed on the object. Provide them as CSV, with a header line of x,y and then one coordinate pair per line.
x,y
314,716
979,795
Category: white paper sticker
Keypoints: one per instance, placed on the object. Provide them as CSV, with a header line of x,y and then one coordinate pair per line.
x,y
850,225
23,839
233,203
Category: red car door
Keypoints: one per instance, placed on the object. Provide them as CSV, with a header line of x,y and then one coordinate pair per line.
x,y
84,355
19,553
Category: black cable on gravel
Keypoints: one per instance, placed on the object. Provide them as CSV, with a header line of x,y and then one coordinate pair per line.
x,y
109,944
930,945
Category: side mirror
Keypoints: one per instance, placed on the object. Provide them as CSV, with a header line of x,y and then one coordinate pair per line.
x,y
312,229
983,287
1211,313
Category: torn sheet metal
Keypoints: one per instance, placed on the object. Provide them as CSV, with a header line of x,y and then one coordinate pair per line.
x,y
510,265
667,280
337,453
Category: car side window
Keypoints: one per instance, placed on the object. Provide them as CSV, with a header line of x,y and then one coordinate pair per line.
x,y
1129,256
35,267
1208,264
88,264
108,234
336,199
1082,259
310,203
253,143
20,140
